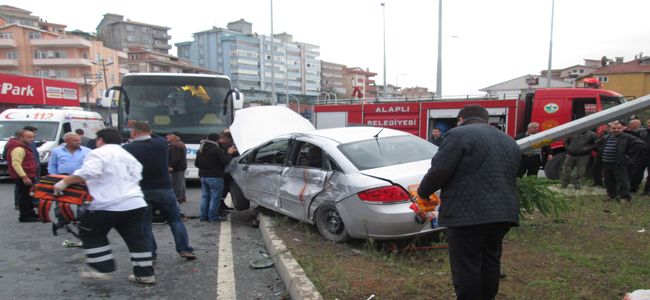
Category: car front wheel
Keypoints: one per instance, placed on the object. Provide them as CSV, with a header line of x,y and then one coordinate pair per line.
x,y
238,199
330,225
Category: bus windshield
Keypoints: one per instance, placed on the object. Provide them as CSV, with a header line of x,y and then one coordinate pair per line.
x,y
190,106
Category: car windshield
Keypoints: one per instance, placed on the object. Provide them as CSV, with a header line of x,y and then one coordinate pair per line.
x,y
190,106
46,130
387,151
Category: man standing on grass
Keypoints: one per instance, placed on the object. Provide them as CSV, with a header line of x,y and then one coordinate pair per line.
x,y
476,169
619,150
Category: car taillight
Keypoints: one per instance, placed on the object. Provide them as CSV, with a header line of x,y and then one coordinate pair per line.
x,y
386,194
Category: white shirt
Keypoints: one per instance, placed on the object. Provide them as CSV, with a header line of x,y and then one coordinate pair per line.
x,y
113,179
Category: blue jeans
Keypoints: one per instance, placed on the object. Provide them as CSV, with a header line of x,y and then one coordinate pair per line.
x,y
211,189
165,201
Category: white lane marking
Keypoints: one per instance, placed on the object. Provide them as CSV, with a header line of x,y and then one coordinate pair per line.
x,y
226,289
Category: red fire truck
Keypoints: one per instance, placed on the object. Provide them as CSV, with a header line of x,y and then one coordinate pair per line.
x,y
24,90
549,107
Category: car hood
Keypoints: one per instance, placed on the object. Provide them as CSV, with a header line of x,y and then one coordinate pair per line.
x,y
403,174
256,125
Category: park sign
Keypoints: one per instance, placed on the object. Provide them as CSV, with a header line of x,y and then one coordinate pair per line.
x,y
27,90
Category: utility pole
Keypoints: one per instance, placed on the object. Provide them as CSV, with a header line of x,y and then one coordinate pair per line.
x,y
102,60
86,90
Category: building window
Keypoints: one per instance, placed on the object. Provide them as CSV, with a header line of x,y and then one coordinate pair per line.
x,y
12,55
603,79
34,35
146,30
6,35
130,38
130,28
133,56
99,76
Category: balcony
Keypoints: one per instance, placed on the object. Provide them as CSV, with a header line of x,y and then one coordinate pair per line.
x,y
162,36
8,43
67,62
124,71
63,43
162,46
10,63
77,80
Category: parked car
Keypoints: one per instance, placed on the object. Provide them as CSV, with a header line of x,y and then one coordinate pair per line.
x,y
350,182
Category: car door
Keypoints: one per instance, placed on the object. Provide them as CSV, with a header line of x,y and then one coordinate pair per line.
x,y
302,179
262,175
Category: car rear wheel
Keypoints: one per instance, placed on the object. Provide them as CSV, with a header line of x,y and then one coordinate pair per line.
x,y
330,225
238,199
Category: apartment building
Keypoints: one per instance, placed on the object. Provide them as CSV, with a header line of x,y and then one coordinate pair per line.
x,y
15,15
32,51
121,34
359,83
147,61
258,65
332,81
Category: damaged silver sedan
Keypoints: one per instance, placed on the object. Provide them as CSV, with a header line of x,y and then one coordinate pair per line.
x,y
350,182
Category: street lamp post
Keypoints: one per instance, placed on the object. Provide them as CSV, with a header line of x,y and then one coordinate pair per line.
x,y
550,48
383,8
273,100
439,68
396,81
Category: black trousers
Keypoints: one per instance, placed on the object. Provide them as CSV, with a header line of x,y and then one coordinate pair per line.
x,y
529,165
95,225
475,258
597,170
617,181
636,175
25,204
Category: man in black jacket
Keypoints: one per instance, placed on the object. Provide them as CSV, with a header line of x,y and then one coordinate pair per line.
x,y
212,161
152,152
619,151
476,170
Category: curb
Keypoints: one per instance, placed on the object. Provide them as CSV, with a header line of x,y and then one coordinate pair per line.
x,y
291,273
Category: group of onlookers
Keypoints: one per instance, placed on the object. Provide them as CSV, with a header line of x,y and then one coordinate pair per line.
x,y
126,182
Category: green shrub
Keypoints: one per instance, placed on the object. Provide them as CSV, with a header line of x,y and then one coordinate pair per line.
x,y
535,194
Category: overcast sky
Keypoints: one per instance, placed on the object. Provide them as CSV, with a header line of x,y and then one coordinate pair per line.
x,y
484,42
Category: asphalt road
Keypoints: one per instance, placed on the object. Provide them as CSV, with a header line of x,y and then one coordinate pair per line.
x,y
35,265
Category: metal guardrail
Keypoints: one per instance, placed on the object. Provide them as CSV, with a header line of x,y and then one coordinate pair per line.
x,y
406,99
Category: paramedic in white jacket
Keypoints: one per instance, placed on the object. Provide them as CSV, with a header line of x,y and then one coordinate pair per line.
x,y
112,176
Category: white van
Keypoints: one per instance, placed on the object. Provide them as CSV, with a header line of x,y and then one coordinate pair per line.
x,y
52,124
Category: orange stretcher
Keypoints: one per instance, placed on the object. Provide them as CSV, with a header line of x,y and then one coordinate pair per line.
x,y
75,194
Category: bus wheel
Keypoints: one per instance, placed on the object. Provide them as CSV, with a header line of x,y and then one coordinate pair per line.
x,y
553,167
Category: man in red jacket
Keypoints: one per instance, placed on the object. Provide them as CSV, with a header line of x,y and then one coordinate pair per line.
x,y
22,168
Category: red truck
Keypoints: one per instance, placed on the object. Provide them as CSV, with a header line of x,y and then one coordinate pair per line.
x,y
18,90
548,107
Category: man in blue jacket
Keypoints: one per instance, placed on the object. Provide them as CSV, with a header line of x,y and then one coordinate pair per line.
x,y
152,152
476,170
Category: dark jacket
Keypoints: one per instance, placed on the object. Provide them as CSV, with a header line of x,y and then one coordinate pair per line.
x,y
581,144
211,159
476,170
177,156
436,141
152,154
630,148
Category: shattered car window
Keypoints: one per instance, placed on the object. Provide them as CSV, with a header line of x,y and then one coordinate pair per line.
x,y
387,151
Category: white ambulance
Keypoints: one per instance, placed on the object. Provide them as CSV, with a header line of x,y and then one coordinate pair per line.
x,y
52,124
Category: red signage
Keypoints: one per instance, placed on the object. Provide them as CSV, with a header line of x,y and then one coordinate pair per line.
x,y
401,116
25,90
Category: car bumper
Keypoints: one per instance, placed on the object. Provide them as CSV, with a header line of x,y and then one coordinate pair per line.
x,y
381,221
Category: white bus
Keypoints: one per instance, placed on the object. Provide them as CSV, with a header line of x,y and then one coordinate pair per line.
x,y
188,105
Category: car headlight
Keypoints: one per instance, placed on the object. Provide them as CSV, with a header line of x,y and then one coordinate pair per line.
x,y
45,155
